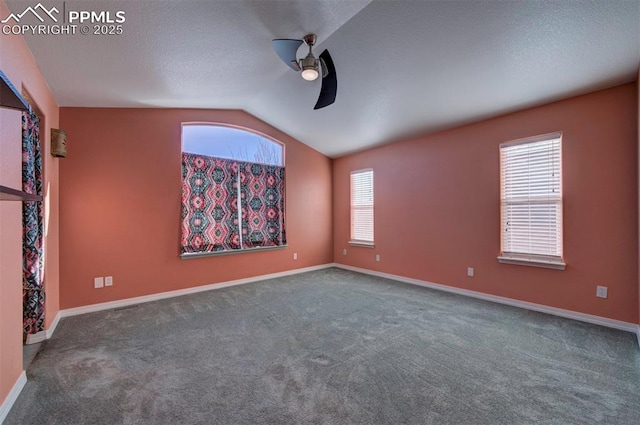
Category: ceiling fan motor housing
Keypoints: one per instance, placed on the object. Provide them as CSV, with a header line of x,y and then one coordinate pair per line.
x,y
309,62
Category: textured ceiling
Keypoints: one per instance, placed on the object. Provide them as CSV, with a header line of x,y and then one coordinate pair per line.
x,y
403,66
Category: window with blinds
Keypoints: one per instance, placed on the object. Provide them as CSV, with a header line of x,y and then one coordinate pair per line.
x,y
531,201
362,207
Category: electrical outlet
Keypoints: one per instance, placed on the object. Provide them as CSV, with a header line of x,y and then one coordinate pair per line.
x,y
98,282
344,251
108,281
601,292
377,257
295,255
470,271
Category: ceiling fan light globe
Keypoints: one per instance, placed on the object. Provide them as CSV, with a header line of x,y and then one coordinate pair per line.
x,y
310,74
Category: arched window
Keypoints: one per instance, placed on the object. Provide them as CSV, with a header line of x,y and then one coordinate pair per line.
x,y
233,190
231,143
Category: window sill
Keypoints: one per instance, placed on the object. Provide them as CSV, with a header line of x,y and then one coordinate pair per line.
x,y
557,265
362,244
190,255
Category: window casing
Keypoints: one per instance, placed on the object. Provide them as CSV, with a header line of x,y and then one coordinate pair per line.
x,y
362,205
233,201
531,201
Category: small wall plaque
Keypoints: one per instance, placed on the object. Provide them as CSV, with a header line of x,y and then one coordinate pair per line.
x,y
58,143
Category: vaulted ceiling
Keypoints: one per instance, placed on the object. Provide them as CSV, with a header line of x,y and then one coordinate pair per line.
x,y
403,66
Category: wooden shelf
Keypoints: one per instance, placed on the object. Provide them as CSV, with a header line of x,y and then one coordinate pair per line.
x,y
8,194
9,96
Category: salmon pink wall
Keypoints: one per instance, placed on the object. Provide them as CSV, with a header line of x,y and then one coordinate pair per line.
x,y
437,206
120,193
18,64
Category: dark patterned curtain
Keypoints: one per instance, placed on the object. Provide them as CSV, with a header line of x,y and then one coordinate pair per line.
x,y
209,204
262,188
33,227
210,220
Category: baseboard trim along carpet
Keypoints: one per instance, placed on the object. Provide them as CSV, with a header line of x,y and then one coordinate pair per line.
x,y
583,317
12,396
43,335
170,294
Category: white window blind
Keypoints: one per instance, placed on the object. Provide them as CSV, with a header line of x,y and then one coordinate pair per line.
x,y
531,199
362,206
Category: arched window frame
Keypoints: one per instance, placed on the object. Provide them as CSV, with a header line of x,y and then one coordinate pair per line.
x,y
248,200
239,128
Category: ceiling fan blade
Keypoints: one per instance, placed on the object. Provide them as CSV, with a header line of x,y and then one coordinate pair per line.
x,y
329,81
286,50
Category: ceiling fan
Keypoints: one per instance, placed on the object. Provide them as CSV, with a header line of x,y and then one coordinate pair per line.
x,y
309,66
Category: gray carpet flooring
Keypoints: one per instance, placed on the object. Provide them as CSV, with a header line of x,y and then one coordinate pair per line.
x,y
330,347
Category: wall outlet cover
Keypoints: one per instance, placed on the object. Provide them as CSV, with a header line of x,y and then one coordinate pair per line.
x,y
470,271
108,281
98,282
601,291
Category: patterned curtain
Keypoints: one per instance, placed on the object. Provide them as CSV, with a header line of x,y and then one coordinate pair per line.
x,y
209,204
262,189
33,227
210,190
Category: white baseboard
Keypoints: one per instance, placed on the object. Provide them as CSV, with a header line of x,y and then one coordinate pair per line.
x,y
170,294
53,326
36,338
7,404
583,317
43,335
